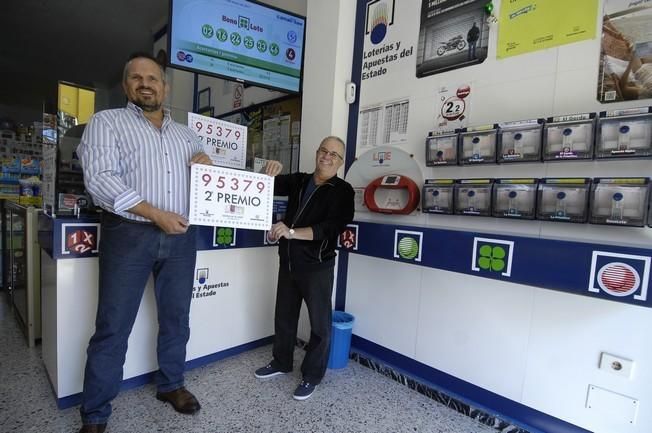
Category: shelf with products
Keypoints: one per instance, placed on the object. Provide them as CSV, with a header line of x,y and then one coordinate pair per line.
x,y
20,171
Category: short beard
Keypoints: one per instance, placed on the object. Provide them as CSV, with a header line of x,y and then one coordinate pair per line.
x,y
148,108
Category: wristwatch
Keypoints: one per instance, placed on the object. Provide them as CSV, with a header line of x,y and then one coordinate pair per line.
x,y
291,232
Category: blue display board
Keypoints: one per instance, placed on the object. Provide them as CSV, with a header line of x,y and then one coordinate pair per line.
x,y
607,272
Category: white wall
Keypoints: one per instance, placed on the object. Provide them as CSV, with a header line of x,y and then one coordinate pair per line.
x,y
534,346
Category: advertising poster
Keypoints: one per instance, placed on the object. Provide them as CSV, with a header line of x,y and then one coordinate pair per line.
x,y
453,103
531,25
453,34
625,71
384,52
224,142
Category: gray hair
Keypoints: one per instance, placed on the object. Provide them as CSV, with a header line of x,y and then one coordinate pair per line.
x,y
334,138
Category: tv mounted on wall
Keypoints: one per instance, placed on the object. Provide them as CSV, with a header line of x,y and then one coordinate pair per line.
x,y
240,40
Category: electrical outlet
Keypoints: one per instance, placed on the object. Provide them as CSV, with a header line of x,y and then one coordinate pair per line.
x,y
616,365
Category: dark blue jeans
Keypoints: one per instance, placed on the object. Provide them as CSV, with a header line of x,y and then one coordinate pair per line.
x,y
316,289
129,252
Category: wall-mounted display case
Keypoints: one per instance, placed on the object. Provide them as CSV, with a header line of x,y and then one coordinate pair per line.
x,y
620,201
473,197
520,141
569,137
441,149
437,196
563,199
514,198
478,145
626,133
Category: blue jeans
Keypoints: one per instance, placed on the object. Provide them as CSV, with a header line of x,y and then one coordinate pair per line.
x,y
129,252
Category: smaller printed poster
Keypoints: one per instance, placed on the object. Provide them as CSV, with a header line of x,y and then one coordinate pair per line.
x,y
625,71
453,102
224,142
230,198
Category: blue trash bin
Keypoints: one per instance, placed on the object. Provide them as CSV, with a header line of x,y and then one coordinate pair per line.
x,y
340,339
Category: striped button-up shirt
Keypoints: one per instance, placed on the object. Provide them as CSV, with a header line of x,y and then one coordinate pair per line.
x,y
127,160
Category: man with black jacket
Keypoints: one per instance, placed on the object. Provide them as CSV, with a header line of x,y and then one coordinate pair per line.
x,y
320,205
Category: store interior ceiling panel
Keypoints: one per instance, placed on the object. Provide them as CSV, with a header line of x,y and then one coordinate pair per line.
x,y
80,41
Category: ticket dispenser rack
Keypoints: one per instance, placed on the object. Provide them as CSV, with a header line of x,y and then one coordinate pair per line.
x,y
392,194
473,197
478,145
565,200
624,133
437,196
569,137
441,149
620,201
514,198
520,141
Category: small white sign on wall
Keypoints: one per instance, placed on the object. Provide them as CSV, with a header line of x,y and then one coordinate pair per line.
x,y
453,102
384,123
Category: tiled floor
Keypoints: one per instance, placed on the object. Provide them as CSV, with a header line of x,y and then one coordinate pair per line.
x,y
354,399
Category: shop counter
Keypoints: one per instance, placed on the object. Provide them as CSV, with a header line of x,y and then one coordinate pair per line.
x,y
232,308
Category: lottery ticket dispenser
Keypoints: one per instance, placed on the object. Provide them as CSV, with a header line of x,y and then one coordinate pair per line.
x,y
392,194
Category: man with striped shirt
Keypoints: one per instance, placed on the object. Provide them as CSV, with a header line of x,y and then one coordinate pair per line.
x,y
136,167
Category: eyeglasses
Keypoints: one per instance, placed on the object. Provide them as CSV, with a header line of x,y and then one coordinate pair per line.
x,y
323,152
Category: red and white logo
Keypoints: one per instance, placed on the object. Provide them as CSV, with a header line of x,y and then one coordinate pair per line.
x,y
618,279
349,238
620,275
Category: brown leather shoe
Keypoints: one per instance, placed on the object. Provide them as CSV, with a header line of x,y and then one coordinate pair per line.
x,y
93,428
181,400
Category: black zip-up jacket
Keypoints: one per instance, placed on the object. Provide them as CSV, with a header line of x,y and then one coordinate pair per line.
x,y
327,211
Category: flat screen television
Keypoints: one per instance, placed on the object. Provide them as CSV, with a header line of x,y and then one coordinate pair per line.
x,y
240,40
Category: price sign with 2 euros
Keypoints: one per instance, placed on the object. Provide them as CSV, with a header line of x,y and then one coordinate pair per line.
x,y
224,142
230,198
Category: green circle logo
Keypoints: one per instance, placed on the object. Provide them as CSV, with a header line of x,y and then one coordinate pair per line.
x,y
274,49
207,30
236,39
408,248
221,35
261,45
248,42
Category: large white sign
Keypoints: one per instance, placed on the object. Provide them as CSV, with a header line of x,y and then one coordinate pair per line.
x,y
224,142
230,198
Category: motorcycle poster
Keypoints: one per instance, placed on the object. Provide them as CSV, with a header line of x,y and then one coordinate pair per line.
x,y
453,34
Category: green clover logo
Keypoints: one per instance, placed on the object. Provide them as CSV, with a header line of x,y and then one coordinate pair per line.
x,y
224,236
492,258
